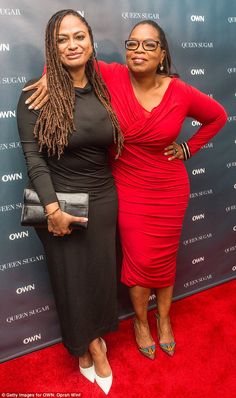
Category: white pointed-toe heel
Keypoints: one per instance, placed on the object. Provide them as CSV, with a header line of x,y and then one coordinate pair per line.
x,y
104,383
89,373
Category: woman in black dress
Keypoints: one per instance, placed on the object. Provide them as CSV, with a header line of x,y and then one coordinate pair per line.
x,y
66,150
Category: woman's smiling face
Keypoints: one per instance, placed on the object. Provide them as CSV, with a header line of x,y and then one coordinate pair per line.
x,y
141,60
73,42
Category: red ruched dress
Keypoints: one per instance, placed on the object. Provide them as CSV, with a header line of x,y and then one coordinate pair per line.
x,y
153,192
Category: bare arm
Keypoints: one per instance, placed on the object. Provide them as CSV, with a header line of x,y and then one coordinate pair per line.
x,y
40,95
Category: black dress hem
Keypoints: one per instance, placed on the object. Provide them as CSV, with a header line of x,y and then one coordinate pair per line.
x,y
99,333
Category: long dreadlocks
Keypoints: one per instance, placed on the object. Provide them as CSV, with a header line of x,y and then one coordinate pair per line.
x,y
55,121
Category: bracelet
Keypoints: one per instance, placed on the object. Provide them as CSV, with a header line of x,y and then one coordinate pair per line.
x,y
52,212
186,150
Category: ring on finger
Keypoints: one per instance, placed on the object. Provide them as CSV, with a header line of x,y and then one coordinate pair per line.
x,y
175,150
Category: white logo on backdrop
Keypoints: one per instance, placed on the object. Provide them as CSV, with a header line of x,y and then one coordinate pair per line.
x,y
196,123
25,289
13,80
198,260
197,239
232,118
10,11
10,145
198,217
10,207
82,13
199,280
20,262
4,47
201,193
230,249
231,19
152,297
12,177
192,44
140,15
231,164
209,145
199,171
230,208
7,114
19,235
231,70
197,18
196,72
32,339
34,311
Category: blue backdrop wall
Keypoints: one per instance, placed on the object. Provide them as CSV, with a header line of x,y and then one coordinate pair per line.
x,y
201,35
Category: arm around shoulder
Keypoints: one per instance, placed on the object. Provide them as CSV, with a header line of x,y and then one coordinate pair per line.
x,y
40,95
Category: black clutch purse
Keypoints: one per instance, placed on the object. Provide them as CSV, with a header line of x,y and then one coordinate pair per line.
x,y
75,204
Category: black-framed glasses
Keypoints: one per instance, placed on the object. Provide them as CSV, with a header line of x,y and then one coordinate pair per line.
x,y
148,45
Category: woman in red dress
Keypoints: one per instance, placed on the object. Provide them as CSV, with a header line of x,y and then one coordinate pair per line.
x,y
151,179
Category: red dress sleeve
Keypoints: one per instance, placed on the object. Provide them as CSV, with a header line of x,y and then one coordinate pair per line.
x,y
209,113
107,70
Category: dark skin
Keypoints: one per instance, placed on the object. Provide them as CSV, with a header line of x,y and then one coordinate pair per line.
x,y
149,88
74,50
40,96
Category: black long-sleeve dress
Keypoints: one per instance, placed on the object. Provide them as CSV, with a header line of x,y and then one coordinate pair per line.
x,y
82,266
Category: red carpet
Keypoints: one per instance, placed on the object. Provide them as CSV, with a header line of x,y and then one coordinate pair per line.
x,y
203,366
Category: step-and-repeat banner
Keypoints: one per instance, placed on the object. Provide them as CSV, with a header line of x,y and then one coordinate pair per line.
x,y
201,35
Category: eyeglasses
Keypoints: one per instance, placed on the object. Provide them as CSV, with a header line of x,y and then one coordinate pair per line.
x,y
148,45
